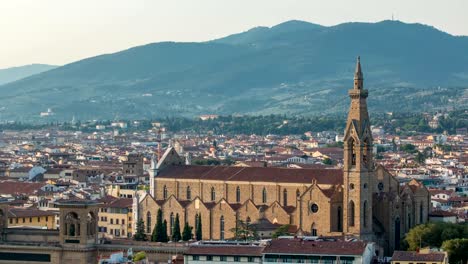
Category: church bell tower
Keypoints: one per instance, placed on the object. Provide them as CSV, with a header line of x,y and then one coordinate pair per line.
x,y
358,164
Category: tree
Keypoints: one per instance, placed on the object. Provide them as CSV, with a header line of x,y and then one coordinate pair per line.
x,y
140,231
433,234
281,231
457,250
244,231
187,233
164,237
158,235
176,230
198,233
420,158
327,161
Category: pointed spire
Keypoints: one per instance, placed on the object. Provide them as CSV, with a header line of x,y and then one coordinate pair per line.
x,y
358,72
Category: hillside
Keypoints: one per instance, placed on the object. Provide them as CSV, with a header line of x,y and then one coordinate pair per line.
x,y
16,73
292,68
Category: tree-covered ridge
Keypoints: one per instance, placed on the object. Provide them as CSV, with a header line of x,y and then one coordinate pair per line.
x,y
292,68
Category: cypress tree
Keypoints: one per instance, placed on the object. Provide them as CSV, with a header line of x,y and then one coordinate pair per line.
x,y
140,231
187,233
176,231
198,234
164,232
158,235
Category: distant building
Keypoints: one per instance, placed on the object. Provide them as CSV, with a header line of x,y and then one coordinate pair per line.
x,y
208,117
424,256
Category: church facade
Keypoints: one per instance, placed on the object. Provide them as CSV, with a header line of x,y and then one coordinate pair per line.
x,y
360,200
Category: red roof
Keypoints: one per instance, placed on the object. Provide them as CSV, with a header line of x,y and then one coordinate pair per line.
x,y
259,174
415,256
225,250
310,247
14,187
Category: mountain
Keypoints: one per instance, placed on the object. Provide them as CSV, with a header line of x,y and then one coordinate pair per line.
x,y
292,68
13,74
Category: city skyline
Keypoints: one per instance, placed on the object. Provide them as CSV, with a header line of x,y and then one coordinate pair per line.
x,y
48,31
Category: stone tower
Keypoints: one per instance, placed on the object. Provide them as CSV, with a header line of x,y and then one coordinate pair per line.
x,y
358,164
78,223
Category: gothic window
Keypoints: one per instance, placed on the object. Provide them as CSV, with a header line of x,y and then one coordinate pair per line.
x,y
421,218
213,194
148,222
364,214
189,193
238,193
364,154
409,221
313,230
165,192
351,214
171,223
221,228
264,195
339,225
285,197
247,221
353,152
298,193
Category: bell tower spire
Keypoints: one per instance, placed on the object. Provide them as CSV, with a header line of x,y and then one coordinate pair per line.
x,y
358,163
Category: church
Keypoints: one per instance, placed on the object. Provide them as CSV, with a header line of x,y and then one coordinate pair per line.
x,y
361,200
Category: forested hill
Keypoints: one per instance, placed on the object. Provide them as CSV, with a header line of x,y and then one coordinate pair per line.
x,y
292,68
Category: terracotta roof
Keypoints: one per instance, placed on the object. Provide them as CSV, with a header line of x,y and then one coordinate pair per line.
x,y
415,256
225,250
30,212
121,203
269,174
310,247
440,213
14,187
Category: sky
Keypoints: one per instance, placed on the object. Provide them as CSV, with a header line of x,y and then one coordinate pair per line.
x,y
62,31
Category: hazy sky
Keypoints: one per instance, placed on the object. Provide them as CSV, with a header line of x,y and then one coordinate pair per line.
x,y
63,31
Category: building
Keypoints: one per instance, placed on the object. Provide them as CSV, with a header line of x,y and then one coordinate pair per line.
x,y
424,256
300,250
32,218
115,218
226,252
362,200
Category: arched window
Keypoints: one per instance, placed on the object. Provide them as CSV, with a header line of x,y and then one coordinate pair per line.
x,y
264,195
339,224
221,228
189,193
351,214
353,152
165,192
285,197
148,222
171,223
238,193
364,214
409,221
213,194
421,211
298,193
247,221
313,230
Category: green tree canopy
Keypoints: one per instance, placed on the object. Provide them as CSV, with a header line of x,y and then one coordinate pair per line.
x,y
457,250
281,231
187,233
176,236
432,234
140,231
